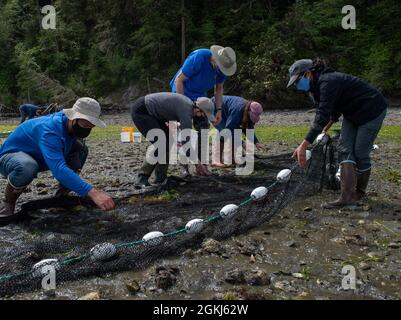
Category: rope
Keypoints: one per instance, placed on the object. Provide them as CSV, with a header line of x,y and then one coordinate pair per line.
x,y
171,234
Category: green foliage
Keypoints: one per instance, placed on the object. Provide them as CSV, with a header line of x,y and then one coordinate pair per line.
x,y
101,46
313,28
264,74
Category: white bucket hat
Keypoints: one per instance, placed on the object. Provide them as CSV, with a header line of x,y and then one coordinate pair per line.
x,y
225,58
88,109
207,106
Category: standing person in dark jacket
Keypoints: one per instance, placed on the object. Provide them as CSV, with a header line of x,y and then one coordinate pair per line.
x,y
363,109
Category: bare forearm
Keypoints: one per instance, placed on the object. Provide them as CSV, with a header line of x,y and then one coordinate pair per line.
x,y
218,95
179,86
305,144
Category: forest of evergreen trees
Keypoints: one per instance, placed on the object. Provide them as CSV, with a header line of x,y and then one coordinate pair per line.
x,y
100,46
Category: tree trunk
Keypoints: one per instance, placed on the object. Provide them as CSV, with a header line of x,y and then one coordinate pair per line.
x,y
183,55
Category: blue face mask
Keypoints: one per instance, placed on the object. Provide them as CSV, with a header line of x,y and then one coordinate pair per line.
x,y
303,84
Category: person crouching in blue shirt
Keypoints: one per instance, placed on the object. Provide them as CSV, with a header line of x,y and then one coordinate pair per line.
x,y
45,143
237,113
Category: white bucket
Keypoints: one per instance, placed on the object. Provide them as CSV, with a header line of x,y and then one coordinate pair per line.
x,y
137,137
126,137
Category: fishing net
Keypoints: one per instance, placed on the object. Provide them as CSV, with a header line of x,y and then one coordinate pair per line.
x,y
87,242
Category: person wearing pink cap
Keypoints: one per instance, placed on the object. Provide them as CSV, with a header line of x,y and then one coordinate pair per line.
x,y
238,113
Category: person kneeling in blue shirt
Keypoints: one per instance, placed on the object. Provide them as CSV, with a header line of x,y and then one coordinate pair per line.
x,y
237,113
45,143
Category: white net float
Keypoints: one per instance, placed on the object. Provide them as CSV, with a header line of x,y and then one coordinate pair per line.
x,y
338,174
375,147
259,193
153,238
308,155
228,210
41,268
194,226
284,175
322,138
103,251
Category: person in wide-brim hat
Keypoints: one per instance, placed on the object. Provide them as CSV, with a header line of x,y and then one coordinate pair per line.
x,y
204,70
87,109
53,142
225,59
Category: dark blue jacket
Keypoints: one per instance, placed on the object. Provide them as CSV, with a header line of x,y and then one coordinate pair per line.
x,y
29,110
339,94
232,113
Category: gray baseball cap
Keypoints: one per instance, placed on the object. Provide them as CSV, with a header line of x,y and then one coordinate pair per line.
x,y
207,106
297,68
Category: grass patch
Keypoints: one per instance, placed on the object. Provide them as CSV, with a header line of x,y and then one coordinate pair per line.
x,y
266,134
111,133
7,127
281,134
165,196
390,133
393,176
170,195
307,273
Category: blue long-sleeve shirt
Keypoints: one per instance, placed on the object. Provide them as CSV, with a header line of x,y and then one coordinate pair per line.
x,y
232,113
46,139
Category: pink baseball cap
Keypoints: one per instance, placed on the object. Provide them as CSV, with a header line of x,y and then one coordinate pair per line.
x,y
255,110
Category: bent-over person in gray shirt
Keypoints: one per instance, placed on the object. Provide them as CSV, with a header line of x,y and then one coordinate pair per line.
x,y
154,111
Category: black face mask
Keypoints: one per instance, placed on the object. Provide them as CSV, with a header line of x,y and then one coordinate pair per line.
x,y
200,122
79,131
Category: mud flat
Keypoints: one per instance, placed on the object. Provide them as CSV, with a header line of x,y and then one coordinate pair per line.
x,y
299,254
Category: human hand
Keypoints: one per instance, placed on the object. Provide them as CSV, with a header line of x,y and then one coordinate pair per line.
x,y
217,118
300,154
101,199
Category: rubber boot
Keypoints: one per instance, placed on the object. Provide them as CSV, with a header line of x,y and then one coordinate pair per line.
x,y
161,173
184,171
362,184
144,174
142,181
348,188
11,195
61,191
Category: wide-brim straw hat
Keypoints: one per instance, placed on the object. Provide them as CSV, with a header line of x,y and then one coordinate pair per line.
x,y
225,59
